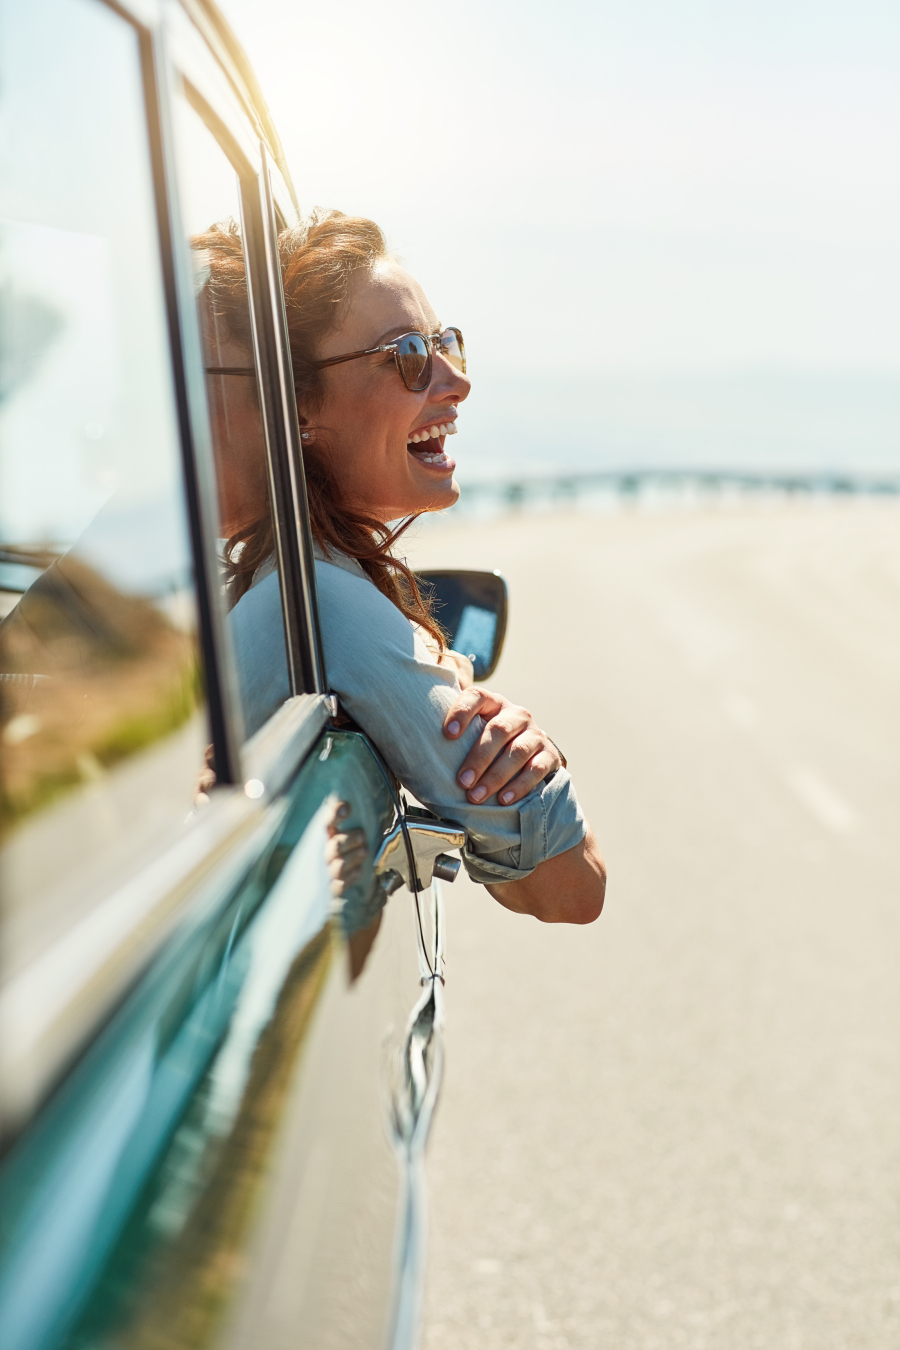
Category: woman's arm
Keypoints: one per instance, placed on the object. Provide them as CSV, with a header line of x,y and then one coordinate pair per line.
x,y
389,683
566,889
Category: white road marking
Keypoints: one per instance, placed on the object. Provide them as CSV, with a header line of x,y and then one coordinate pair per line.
x,y
821,800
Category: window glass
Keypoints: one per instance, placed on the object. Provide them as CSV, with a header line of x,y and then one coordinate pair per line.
x,y
211,210
102,726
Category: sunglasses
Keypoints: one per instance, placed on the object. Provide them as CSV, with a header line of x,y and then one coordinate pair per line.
x,y
413,355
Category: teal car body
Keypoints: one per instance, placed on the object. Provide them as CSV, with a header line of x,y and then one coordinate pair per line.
x,y
266,1059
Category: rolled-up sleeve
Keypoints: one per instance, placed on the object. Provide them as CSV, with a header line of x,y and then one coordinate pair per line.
x,y
389,683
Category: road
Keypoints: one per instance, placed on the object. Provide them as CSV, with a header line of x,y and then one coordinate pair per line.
x,y
681,1126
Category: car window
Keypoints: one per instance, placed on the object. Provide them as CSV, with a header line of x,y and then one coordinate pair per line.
x,y
103,728
210,199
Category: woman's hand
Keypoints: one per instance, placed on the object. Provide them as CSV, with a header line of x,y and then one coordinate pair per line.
x,y
345,851
511,756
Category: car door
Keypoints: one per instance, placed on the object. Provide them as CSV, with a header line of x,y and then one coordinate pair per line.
x,y
216,1073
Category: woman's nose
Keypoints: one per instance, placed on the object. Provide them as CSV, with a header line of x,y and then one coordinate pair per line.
x,y
447,380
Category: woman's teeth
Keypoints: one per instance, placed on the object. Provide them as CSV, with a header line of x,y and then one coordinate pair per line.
x,y
441,429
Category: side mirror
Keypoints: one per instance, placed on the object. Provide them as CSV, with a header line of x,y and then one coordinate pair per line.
x,y
472,609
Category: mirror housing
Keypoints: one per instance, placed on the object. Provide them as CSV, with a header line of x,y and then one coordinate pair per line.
x,y
472,608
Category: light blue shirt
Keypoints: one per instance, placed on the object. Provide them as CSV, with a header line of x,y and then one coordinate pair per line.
x,y
391,685
257,635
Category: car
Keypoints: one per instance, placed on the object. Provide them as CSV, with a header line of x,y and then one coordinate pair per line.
x,y
218,1064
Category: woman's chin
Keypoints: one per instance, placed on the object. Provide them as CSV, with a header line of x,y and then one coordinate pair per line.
x,y
443,494
434,484
449,495
418,499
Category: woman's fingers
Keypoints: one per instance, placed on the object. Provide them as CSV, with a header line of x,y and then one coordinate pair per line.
x,y
510,756
471,703
525,761
345,850
339,814
342,844
545,762
496,734
342,880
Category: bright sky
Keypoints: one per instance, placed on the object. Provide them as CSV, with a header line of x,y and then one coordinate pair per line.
x,y
618,192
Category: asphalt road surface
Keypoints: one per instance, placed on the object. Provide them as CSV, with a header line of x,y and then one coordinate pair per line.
x,y
681,1126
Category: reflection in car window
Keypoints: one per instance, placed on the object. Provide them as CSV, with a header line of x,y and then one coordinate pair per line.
x,y
211,207
102,730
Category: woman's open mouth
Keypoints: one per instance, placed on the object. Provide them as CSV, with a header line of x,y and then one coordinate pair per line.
x,y
426,445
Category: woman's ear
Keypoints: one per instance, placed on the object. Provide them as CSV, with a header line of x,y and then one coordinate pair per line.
x,y
307,433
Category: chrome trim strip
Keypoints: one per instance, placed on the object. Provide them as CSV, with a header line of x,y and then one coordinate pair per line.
x,y
413,1255
292,499
286,494
413,1238
189,378
273,754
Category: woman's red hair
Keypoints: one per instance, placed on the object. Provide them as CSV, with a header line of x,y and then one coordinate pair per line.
x,y
319,260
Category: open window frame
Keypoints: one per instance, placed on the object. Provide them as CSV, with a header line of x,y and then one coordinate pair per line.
x,y
183,46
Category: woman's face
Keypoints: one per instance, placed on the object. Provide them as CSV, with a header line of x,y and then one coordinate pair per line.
x,y
368,415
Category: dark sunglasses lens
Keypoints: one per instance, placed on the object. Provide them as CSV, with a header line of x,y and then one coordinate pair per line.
x,y
453,349
414,360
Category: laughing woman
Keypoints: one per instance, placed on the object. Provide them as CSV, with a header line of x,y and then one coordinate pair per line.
x,y
379,386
